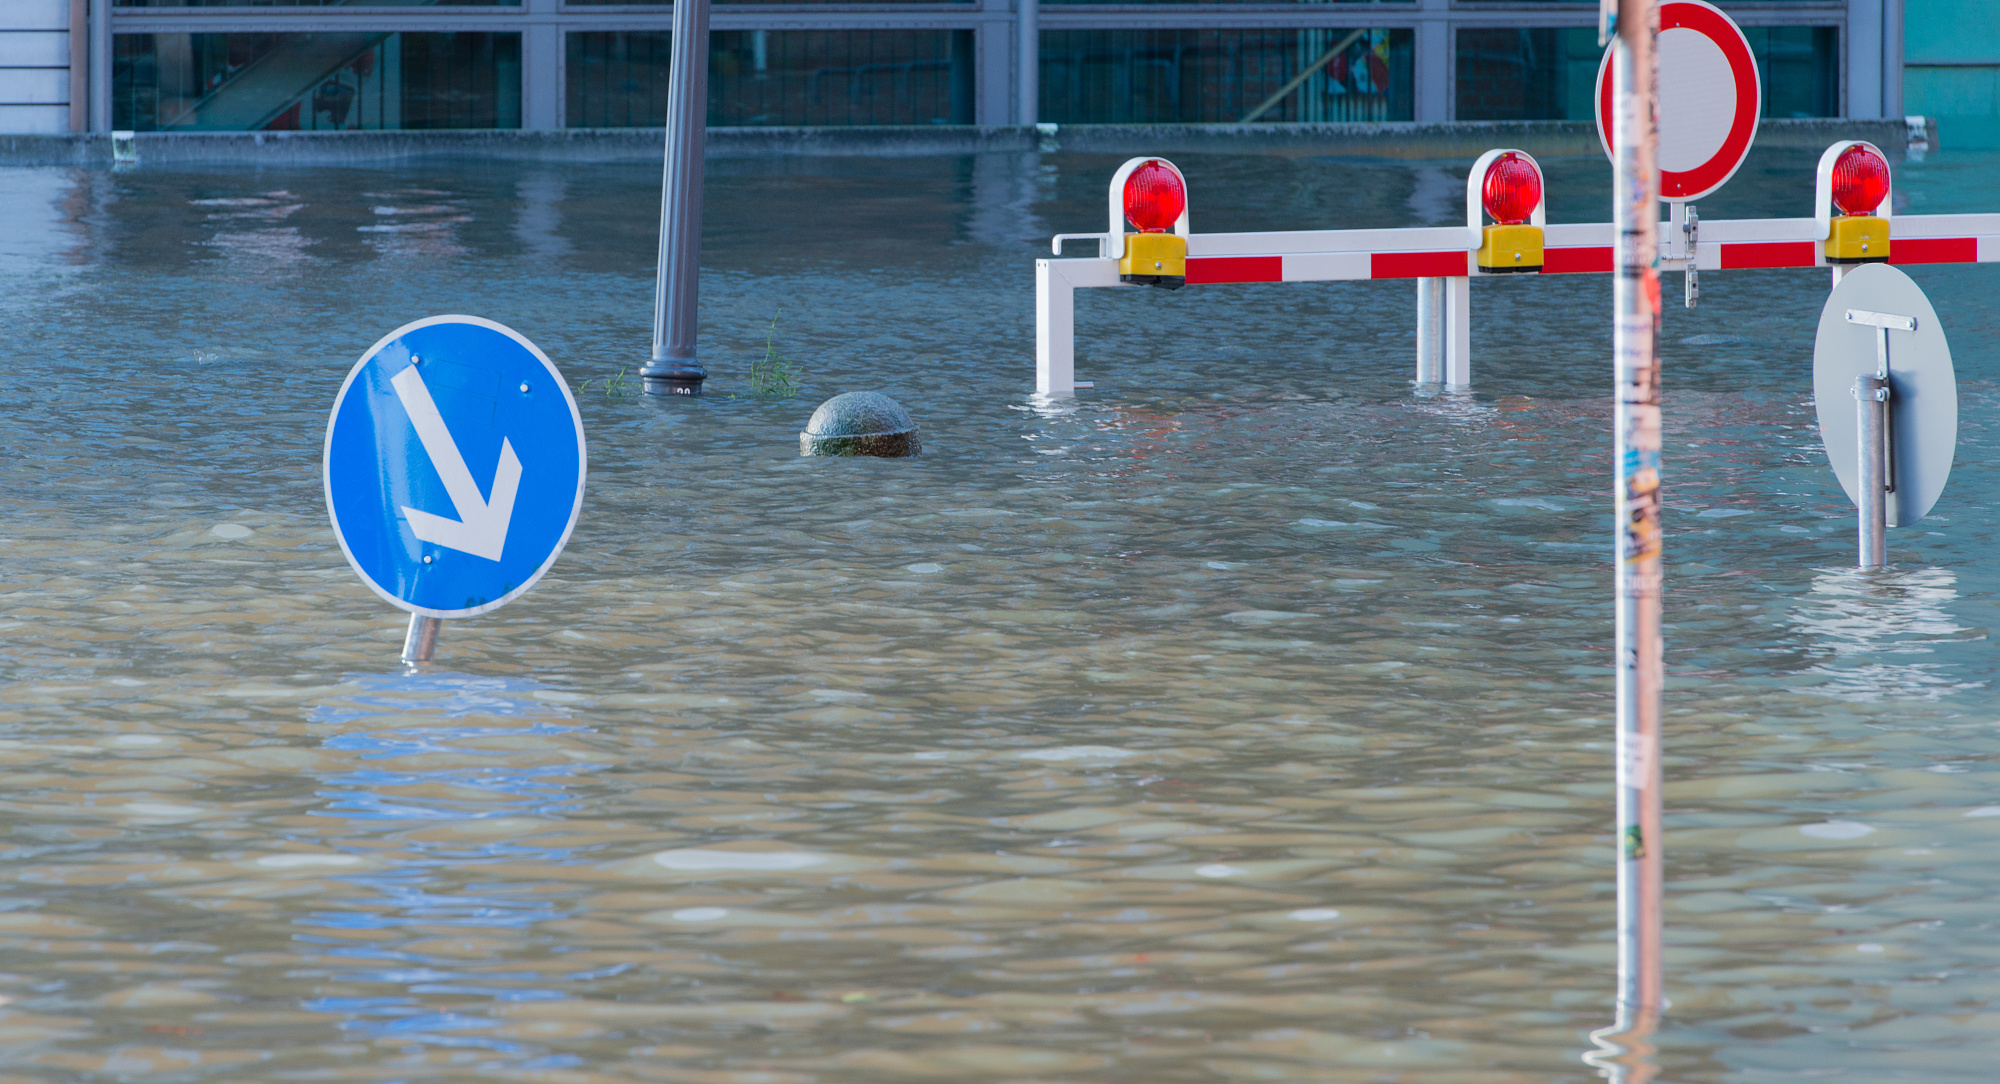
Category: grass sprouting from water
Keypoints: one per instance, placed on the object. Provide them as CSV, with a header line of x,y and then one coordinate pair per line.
x,y
775,376
617,386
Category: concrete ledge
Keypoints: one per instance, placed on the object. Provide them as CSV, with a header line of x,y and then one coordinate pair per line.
x,y
172,150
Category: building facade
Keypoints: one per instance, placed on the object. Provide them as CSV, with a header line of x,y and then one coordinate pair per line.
x,y
245,65
1952,67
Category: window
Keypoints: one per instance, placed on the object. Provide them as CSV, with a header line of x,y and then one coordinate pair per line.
x,y
306,3
1197,76
618,79
1550,73
315,82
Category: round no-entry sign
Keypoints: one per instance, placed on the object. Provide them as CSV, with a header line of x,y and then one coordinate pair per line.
x,y
1709,99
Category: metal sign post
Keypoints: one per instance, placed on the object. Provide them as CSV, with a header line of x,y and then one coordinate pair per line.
x,y
1872,420
420,643
1871,401
1636,302
454,470
674,368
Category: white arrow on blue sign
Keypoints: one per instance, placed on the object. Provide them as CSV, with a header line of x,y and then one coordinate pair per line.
x,y
454,466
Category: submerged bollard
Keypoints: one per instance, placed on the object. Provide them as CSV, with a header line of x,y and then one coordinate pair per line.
x,y
860,423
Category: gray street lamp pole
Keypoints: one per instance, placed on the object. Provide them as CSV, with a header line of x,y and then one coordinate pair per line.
x,y
674,368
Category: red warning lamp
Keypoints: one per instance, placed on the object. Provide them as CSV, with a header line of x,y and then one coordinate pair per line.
x,y
1154,198
1512,190
1508,185
1851,204
1860,180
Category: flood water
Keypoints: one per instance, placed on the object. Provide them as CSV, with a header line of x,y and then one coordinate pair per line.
x,y
1244,719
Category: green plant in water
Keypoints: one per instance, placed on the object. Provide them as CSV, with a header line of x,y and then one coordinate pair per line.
x,y
614,387
774,377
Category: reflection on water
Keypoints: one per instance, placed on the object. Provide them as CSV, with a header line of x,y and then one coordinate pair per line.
x,y
253,229
41,233
1245,719
1857,617
1624,1052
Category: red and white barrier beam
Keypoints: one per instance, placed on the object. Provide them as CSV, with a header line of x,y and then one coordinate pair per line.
x,y
1505,233
1726,245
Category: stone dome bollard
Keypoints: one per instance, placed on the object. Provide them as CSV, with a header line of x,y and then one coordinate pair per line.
x,y
860,423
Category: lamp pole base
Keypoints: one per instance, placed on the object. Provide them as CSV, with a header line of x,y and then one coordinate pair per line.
x,y
661,377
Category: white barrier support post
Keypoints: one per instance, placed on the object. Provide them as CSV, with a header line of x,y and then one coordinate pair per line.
x,y
1055,331
1430,331
1458,332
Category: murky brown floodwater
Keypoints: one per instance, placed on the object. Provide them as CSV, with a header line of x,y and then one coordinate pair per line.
x,y
1245,720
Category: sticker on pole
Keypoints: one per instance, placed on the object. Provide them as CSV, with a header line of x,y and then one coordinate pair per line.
x,y
1709,99
454,466
1879,320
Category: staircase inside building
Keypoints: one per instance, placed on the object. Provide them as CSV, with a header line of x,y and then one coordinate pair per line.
x,y
261,93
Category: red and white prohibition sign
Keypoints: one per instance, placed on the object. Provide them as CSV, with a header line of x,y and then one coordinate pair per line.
x,y
1709,99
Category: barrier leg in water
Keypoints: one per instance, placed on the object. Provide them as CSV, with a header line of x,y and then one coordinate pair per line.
x,y
1055,331
1444,331
1457,332
1430,331
1056,283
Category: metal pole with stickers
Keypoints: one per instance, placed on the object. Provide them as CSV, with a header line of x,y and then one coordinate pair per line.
x,y
1638,651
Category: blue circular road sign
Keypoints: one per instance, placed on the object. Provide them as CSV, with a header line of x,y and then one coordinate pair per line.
x,y
454,466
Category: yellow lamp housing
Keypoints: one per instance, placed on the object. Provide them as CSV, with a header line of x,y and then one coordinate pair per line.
x,y
1155,259
1858,239
1505,249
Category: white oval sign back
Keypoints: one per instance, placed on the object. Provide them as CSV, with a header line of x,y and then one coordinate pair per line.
x,y
1924,390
